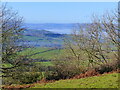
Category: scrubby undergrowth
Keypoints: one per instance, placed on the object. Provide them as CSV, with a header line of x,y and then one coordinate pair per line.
x,y
90,79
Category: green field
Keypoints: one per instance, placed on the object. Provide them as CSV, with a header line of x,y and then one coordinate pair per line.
x,y
41,53
45,39
44,54
44,63
104,81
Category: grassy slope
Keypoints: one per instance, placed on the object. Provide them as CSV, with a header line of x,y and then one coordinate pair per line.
x,y
45,55
49,55
104,81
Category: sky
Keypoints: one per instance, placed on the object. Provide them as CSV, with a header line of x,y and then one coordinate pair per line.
x,y
61,12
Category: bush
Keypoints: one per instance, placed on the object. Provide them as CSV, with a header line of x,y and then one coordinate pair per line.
x,y
23,78
30,77
24,74
20,75
104,68
64,70
108,67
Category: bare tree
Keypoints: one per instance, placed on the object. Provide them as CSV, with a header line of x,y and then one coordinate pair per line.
x,y
11,30
99,41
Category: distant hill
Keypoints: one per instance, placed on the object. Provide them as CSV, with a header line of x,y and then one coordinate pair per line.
x,y
42,33
42,38
63,28
47,34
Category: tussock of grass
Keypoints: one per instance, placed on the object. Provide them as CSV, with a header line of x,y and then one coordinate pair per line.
x,y
104,81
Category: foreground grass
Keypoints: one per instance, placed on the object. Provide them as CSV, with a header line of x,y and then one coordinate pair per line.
x,y
104,81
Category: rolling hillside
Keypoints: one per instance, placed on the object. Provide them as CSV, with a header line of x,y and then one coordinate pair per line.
x,y
103,81
42,38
